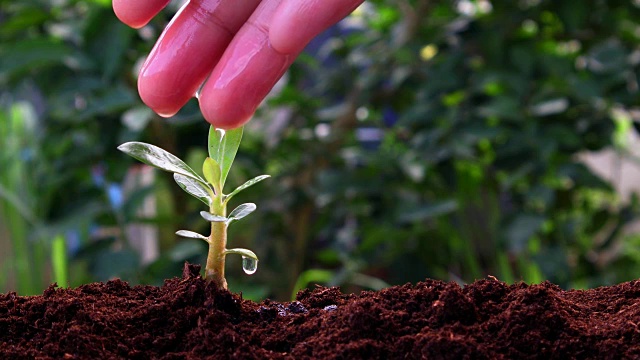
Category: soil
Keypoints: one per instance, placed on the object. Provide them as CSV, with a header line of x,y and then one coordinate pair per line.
x,y
187,318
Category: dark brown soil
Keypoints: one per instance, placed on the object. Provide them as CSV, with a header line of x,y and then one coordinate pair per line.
x,y
188,319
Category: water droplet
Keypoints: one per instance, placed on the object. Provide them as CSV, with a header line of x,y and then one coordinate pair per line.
x,y
249,265
199,91
330,308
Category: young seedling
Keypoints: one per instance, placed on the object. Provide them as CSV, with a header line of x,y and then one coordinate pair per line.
x,y
223,146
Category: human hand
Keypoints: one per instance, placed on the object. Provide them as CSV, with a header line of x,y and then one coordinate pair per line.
x,y
242,46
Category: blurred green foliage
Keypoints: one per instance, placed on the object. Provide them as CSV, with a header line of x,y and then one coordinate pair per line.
x,y
418,139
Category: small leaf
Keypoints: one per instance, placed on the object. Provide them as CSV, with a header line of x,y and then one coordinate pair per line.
x,y
212,218
249,260
247,184
211,170
157,157
241,211
191,235
193,188
244,252
223,146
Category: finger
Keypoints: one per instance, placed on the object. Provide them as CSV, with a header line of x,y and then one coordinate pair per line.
x,y
187,51
245,74
137,13
296,22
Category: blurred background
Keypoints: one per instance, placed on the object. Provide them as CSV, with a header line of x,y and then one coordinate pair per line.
x,y
416,139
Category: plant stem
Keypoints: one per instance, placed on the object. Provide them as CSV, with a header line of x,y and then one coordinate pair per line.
x,y
214,271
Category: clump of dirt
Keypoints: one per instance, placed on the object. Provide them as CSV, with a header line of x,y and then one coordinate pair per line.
x,y
187,318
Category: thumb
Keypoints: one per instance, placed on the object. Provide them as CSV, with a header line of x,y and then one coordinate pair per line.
x,y
296,22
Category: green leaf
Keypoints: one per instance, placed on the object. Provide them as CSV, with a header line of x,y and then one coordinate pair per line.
x,y
428,211
249,260
184,251
157,157
212,218
212,172
191,235
223,146
244,252
241,211
247,184
193,188
21,56
521,229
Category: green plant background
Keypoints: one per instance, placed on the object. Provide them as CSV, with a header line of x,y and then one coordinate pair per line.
x,y
422,139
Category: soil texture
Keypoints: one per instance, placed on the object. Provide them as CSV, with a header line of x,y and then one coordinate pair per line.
x,y
187,318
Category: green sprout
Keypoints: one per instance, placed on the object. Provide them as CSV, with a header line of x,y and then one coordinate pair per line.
x,y
223,146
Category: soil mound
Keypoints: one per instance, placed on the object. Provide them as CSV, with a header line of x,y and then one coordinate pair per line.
x,y
187,318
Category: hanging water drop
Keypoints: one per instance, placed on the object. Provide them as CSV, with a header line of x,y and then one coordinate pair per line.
x,y
249,265
198,91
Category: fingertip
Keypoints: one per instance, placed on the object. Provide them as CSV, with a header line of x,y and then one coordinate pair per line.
x,y
137,14
243,77
165,106
295,22
223,115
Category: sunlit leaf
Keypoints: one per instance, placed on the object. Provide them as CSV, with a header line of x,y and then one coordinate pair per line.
x,y
157,157
223,146
247,184
242,211
212,218
193,188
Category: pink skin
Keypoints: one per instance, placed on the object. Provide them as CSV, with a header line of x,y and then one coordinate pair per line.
x,y
137,13
245,46
187,50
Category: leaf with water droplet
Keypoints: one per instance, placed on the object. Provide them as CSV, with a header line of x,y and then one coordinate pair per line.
x,y
247,184
211,170
159,158
223,146
241,211
212,218
249,259
193,188
191,235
